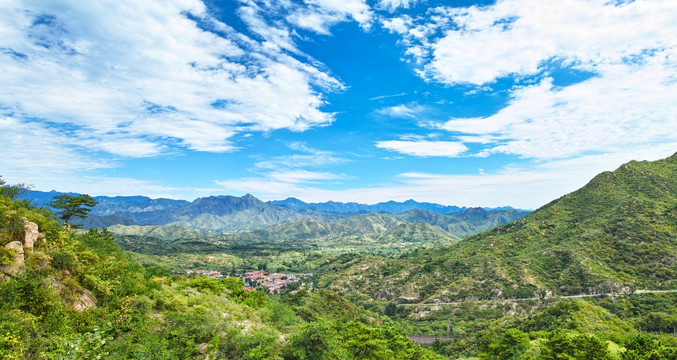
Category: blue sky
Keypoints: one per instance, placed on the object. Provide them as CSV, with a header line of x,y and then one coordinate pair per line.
x,y
486,103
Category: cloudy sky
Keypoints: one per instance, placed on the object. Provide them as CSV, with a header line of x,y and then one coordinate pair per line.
x,y
489,103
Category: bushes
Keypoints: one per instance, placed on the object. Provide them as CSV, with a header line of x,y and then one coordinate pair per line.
x,y
6,255
642,347
563,345
352,340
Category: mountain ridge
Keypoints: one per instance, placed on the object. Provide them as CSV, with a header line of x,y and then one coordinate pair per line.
x,y
616,233
226,213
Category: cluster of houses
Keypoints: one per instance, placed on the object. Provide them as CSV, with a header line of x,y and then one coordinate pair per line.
x,y
272,282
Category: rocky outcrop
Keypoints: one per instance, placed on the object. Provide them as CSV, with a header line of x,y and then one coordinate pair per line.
x,y
16,267
31,235
384,295
80,299
84,300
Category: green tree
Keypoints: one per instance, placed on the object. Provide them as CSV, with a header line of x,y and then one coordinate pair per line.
x,y
391,309
563,345
68,206
317,341
643,347
12,191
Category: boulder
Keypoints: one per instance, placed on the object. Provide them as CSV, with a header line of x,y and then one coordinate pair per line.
x,y
84,300
203,348
16,267
31,234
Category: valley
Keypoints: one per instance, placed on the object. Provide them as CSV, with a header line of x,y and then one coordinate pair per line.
x,y
597,265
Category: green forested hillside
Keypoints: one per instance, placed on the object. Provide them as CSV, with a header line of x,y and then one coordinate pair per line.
x,y
618,233
302,245
615,235
79,296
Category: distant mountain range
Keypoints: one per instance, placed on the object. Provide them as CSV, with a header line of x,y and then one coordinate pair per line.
x,y
233,214
381,233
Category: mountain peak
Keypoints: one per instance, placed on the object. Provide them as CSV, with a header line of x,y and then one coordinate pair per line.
x,y
222,205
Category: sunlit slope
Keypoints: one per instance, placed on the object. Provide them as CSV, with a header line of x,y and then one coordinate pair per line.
x,y
616,233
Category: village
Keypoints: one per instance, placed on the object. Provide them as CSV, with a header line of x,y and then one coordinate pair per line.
x,y
272,282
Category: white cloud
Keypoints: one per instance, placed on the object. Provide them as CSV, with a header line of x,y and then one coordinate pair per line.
x,y
528,186
424,148
628,48
623,109
398,25
402,111
381,97
262,188
123,186
320,15
277,183
36,154
145,74
518,36
287,174
392,5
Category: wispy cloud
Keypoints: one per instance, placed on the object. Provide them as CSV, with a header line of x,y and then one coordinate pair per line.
x,y
627,48
412,110
320,15
424,148
278,175
275,184
387,96
393,5
614,113
305,156
478,45
526,186
37,154
143,73
296,176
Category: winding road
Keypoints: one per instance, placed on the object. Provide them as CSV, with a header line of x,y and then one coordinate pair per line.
x,y
544,298
427,340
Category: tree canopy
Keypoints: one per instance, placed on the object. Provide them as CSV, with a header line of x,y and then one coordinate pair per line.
x,y
11,191
68,206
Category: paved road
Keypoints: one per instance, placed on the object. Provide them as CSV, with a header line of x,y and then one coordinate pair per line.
x,y
500,301
429,340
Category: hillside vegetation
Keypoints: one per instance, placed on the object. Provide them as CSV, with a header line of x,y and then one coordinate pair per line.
x,y
79,296
616,234
301,246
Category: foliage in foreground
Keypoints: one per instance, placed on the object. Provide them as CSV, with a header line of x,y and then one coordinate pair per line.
x,y
145,313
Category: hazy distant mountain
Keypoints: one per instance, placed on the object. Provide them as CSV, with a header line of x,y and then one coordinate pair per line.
x,y
223,205
365,233
246,213
392,207
213,213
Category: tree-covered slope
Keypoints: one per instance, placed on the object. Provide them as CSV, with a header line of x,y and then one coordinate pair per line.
x,y
79,296
616,233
